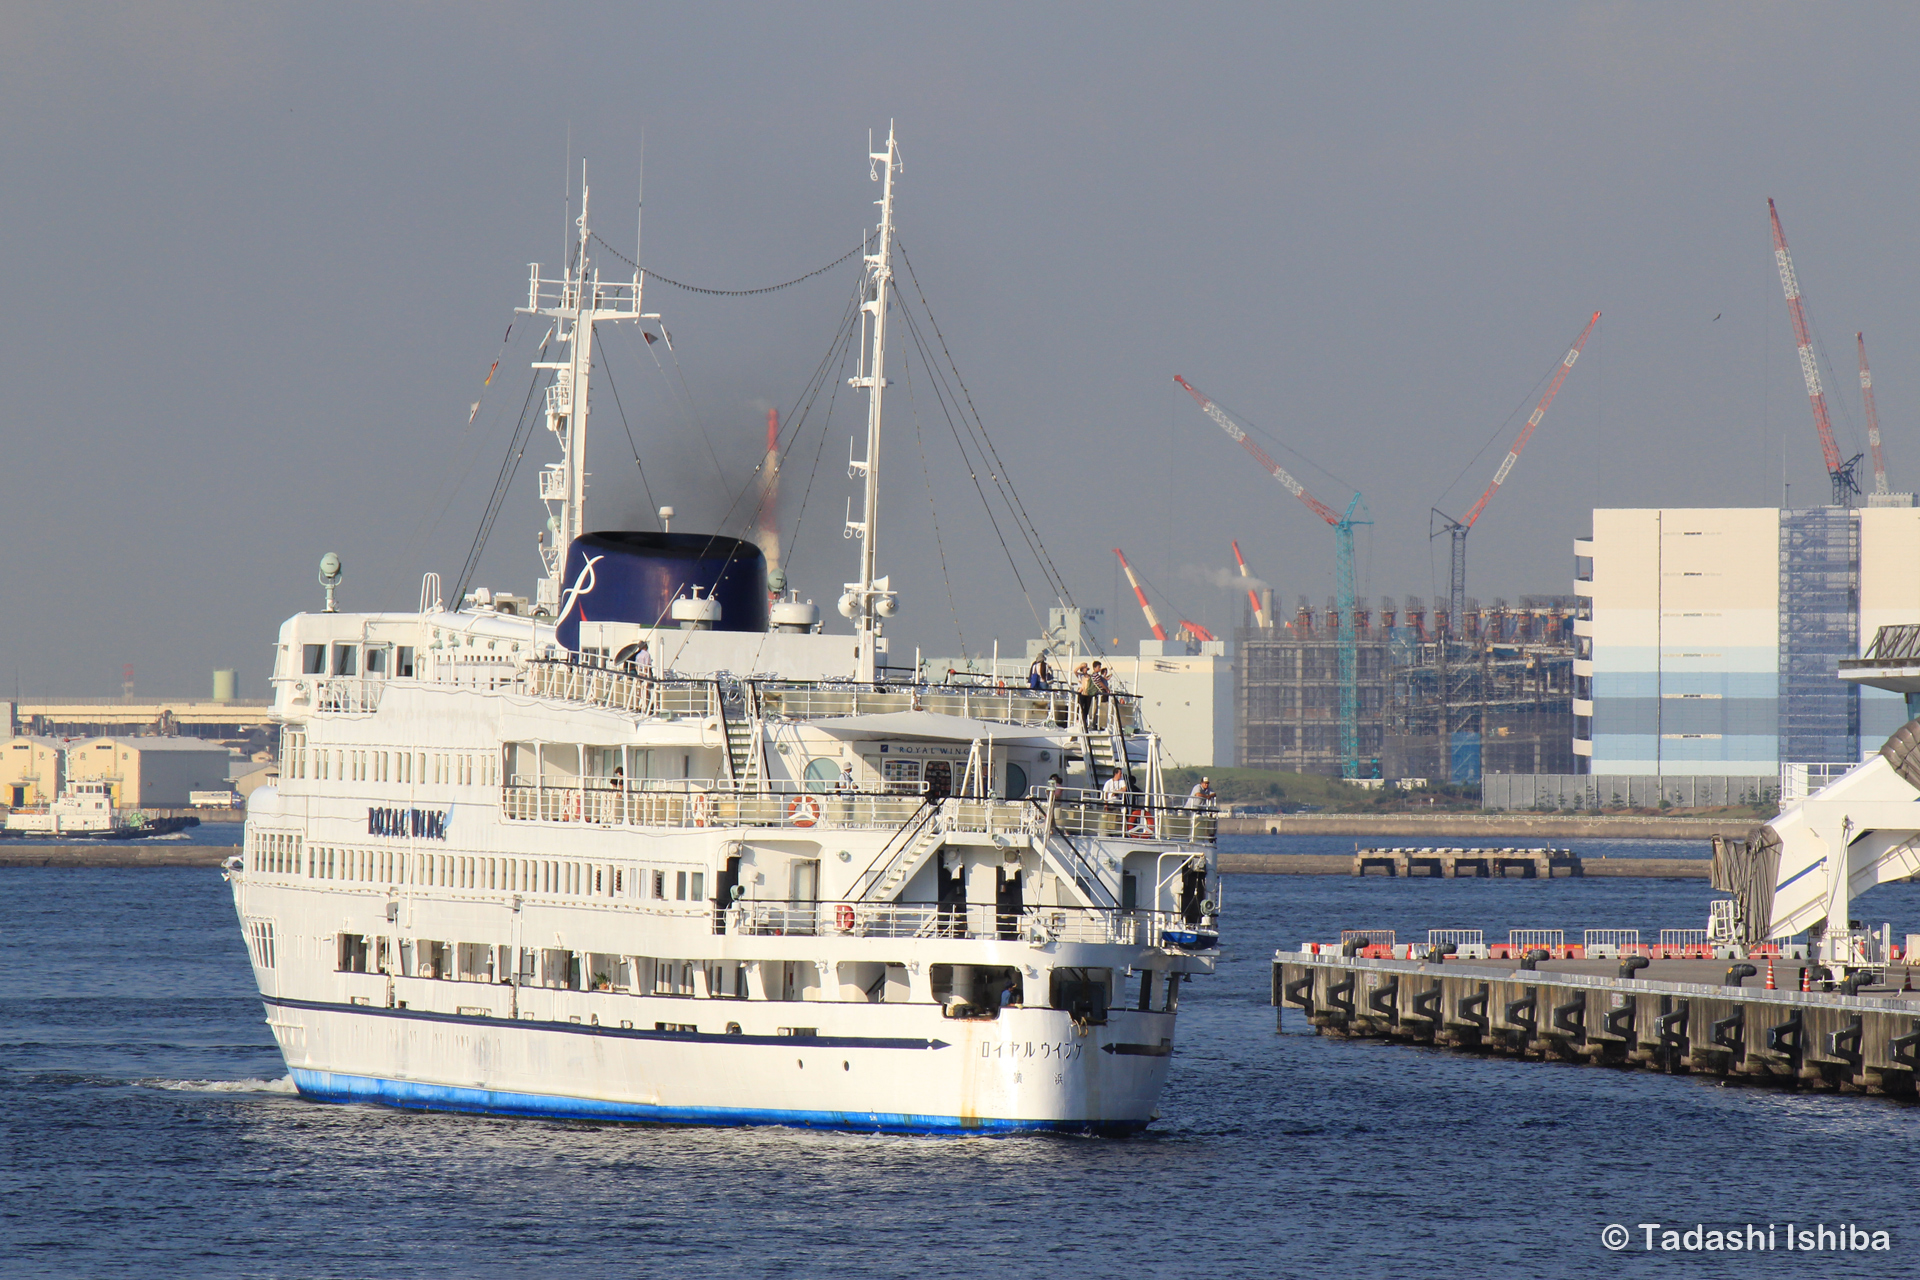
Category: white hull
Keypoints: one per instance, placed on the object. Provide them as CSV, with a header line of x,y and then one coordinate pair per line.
x,y
894,1069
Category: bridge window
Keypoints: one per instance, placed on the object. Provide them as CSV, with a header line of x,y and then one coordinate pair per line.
x,y
346,659
403,662
313,659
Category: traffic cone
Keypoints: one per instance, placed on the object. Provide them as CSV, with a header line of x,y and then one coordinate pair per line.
x,y
1770,985
1804,984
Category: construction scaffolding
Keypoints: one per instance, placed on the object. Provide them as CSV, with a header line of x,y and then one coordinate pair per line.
x,y
1498,698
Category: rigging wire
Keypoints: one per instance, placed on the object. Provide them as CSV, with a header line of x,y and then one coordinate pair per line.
x,y
913,403
693,411
1499,431
728,293
606,367
1002,478
502,484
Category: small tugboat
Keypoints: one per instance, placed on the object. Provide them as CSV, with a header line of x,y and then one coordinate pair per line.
x,y
85,810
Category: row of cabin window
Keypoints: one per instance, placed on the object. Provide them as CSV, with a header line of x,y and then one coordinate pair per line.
x,y
555,968
282,852
404,767
277,852
347,660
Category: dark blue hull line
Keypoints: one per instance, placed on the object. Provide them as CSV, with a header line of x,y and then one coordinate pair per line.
x,y
410,1095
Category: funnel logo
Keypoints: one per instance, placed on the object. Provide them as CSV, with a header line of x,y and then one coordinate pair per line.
x,y
583,585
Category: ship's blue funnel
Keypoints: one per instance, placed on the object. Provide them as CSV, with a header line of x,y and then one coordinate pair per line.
x,y
625,576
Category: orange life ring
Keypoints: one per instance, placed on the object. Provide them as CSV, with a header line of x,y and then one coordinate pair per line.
x,y
843,918
1139,823
803,811
702,809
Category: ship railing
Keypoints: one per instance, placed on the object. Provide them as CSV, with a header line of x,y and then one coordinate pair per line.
x,y
344,695
1028,708
598,684
980,920
721,802
1134,815
698,802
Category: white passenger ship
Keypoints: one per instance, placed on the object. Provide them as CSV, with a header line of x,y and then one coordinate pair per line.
x,y
516,864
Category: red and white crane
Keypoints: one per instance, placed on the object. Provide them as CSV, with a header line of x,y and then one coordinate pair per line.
x,y
1343,526
1873,419
1838,471
1153,619
1457,574
1253,598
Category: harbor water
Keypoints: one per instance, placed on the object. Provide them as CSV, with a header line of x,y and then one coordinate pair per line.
x,y
147,1129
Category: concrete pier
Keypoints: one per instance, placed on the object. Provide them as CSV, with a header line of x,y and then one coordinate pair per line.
x,y
1452,864
1676,1017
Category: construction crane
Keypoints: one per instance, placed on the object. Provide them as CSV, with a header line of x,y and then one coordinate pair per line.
x,y
1840,473
1253,598
1153,619
1190,630
1458,529
1343,573
1873,419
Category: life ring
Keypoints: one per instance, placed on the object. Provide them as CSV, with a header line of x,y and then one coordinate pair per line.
x,y
843,918
701,808
1139,823
803,811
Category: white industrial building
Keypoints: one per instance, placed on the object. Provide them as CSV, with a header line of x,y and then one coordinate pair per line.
x,y
1709,638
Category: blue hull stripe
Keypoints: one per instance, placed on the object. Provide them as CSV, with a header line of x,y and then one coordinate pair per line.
x,y
590,1029
1810,867
327,1086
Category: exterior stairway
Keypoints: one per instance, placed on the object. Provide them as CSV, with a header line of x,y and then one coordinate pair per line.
x,y
903,855
1069,863
743,759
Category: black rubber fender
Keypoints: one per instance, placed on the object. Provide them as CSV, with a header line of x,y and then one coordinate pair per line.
x,y
1299,992
1620,1022
1671,1026
1731,1032
1789,1037
1571,1017
1905,1050
1340,997
1844,1044
1529,1002
1426,1004
1476,1001
1385,1000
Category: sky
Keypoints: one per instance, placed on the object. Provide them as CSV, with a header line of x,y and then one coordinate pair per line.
x,y
262,256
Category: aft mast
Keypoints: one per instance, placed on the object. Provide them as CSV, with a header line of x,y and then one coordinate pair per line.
x,y
575,303
871,598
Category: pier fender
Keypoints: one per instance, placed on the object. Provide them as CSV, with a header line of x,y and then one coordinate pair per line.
x,y
1905,1050
1730,1032
1844,1044
1471,1008
1385,1000
1340,997
1524,1013
1620,1022
1299,992
1571,1017
1671,1027
1788,1038
1426,1004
